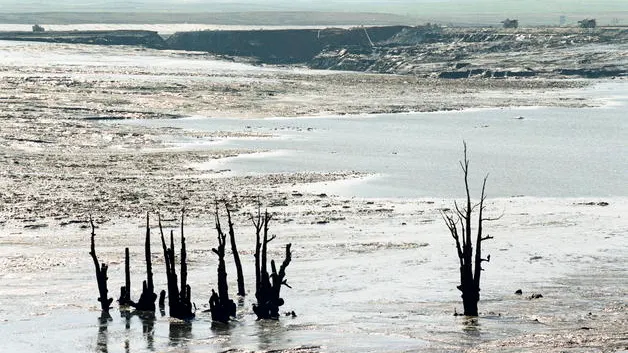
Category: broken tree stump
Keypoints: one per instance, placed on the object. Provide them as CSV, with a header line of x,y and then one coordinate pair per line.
x,y
148,296
236,255
101,274
222,308
267,287
125,291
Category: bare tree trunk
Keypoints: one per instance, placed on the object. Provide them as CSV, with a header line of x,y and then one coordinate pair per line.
x,y
184,265
180,305
236,255
101,275
125,291
148,296
257,222
459,223
221,307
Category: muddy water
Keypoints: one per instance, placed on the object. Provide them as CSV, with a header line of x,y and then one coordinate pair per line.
x,y
545,152
368,283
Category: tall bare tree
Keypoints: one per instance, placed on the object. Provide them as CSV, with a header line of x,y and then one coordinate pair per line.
x,y
459,222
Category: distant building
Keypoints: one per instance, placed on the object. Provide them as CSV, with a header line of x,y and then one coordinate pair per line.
x,y
587,23
38,28
508,23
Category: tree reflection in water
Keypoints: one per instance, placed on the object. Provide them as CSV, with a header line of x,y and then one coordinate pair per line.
x,y
471,326
102,338
148,328
180,333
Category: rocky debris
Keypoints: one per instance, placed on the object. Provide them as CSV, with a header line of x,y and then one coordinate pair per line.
x,y
592,203
431,51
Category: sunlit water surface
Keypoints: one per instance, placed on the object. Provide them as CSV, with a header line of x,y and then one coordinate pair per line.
x,y
544,152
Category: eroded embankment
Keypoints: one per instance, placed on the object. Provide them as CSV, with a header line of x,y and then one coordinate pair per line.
x,y
429,51
425,51
148,39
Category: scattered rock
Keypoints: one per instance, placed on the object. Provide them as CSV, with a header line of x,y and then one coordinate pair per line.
x,y
36,226
535,296
601,203
518,292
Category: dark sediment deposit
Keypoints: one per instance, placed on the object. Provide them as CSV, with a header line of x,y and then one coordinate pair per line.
x,y
148,39
425,51
286,46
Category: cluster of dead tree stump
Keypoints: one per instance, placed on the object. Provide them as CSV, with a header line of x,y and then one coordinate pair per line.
x,y
268,285
179,292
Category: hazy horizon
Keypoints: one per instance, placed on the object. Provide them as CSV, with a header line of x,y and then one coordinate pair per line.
x,y
539,11
391,6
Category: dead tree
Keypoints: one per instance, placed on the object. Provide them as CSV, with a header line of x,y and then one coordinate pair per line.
x,y
101,275
459,223
267,287
125,291
221,307
148,296
236,255
179,302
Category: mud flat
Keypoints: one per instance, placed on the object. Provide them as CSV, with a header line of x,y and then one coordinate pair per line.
x,y
65,157
63,161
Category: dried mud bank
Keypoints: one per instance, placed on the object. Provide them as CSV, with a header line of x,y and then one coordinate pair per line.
x,y
61,162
